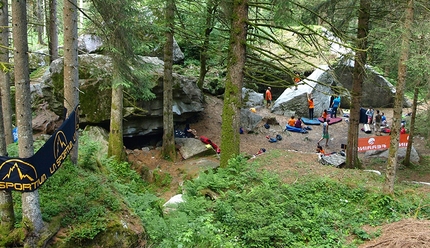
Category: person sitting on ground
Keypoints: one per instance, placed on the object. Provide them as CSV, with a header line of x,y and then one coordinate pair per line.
x,y
299,123
292,121
320,150
324,114
190,132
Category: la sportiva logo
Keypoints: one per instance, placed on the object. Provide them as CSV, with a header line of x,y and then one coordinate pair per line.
x,y
19,175
60,143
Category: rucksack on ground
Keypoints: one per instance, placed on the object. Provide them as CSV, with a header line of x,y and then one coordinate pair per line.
x,y
273,140
278,137
267,126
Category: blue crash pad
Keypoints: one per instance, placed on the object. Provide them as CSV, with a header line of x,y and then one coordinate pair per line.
x,y
295,129
308,121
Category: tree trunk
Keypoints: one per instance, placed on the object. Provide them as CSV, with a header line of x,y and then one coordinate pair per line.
x,y
352,160
7,217
40,22
407,160
53,31
71,73
398,101
4,74
211,9
31,215
116,143
230,139
169,149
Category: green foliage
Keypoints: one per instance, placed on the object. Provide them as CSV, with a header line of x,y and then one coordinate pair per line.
x,y
255,209
421,125
38,73
87,153
250,207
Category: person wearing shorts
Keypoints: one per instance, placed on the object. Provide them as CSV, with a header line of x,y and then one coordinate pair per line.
x,y
325,134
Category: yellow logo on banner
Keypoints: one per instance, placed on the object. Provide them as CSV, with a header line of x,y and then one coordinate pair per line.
x,y
28,179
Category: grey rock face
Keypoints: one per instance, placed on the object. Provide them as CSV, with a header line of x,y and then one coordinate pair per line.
x,y
325,82
190,147
251,98
294,102
249,120
89,43
95,78
401,154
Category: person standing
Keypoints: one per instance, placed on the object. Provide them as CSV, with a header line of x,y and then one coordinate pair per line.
x,y
334,105
325,134
369,113
383,120
311,106
378,119
268,97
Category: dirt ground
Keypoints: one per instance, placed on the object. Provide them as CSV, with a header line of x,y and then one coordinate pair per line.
x,y
406,233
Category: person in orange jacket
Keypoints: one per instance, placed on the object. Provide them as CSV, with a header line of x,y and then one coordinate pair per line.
x,y
268,97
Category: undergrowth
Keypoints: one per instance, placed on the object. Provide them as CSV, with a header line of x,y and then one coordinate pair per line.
x,y
255,209
247,207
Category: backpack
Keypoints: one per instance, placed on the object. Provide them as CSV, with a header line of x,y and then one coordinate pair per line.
x,y
267,126
273,140
278,137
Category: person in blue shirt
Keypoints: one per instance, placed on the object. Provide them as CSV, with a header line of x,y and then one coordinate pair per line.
x,y
383,120
334,105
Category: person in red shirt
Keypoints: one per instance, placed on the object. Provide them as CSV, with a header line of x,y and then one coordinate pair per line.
x,y
402,129
268,97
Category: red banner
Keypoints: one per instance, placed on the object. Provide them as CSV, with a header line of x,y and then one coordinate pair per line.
x,y
380,142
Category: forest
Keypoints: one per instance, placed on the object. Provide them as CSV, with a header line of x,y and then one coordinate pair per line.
x,y
97,198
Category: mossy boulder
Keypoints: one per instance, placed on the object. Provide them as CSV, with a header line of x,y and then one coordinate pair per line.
x,y
95,80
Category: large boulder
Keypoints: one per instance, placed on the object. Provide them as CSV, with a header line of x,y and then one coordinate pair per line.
x,y
249,120
401,154
294,102
252,98
89,43
325,82
178,55
140,117
190,147
377,92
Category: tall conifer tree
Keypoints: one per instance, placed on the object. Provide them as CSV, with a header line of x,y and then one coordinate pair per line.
x,y
230,139
31,214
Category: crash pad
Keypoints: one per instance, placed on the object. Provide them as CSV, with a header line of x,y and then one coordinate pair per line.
x,y
332,120
308,121
295,129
